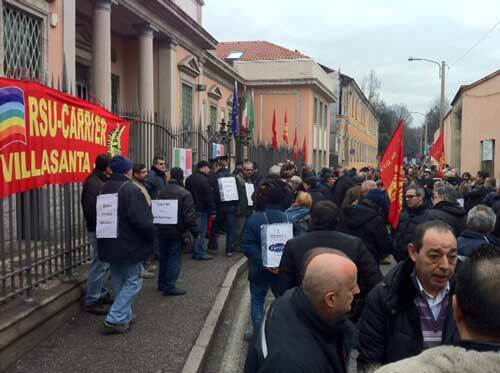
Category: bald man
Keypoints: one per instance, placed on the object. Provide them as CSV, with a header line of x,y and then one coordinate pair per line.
x,y
304,329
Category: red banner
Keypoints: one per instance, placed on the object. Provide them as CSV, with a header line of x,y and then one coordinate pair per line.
x,y
437,152
392,172
295,147
275,132
50,137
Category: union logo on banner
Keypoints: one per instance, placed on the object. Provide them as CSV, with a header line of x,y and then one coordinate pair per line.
x,y
12,117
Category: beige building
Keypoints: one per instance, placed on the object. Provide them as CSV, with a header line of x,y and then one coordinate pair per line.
x,y
357,126
147,57
471,127
285,80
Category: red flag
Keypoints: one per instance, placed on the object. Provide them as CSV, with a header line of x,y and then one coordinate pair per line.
x,y
295,147
391,173
304,149
275,132
285,130
437,152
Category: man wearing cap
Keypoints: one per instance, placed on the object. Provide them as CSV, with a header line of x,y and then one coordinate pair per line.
x,y
132,245
199,186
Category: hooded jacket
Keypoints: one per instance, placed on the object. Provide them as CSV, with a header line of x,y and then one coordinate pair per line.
x,y
451,213
467,358
390,329
470,240
297,340
300,217
365,221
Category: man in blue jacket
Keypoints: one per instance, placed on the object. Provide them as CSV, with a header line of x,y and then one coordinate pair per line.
x,y
132,245
270,195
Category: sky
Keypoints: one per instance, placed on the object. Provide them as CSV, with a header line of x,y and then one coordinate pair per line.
x,y
357,36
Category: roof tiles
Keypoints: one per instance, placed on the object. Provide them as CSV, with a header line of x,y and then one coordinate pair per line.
x,y
257,51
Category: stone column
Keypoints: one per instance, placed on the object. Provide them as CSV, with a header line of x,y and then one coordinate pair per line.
x,y
146,71
167,84
101,52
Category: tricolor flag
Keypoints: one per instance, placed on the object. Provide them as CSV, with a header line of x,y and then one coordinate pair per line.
x,y
217,150
12,116
183,158
285,130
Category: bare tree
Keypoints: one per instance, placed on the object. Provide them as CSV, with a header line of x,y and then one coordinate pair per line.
x,y
371,86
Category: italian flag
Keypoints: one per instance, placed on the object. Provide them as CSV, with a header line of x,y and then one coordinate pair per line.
x,y
183,158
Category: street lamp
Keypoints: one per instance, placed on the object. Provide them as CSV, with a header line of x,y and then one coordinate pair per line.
x,y
442,68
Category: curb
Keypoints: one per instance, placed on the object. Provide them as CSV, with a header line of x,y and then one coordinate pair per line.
x,y
199,350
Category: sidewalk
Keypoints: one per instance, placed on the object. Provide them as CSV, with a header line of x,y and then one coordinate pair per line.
x,y
159,342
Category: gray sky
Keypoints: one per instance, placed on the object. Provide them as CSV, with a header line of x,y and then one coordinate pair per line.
x,y
360,35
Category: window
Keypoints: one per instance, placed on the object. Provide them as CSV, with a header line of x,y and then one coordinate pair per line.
x,y
23,44
320,121
115,93
315,113
213,119
82,81
187,113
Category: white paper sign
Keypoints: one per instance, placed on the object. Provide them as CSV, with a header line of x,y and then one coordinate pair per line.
x,y
461,202
107,216
227,189
273,240
249,188
165,211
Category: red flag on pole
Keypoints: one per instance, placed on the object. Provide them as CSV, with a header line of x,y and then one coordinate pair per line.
x,y
275,132
295,147
437,152
304,149
391,173
285,130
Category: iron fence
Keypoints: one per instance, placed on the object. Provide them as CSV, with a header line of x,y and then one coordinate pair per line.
x,y
266,156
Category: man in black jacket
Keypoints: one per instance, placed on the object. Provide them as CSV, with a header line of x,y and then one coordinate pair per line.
x,y
323,234
411,309
199,186
170,235
446,207
415,213
226,213
96,289
365,220
342,185
303,330
157,177
132,244
311,186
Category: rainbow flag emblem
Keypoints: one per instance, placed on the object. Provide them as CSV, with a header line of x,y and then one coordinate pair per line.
x,y
12,116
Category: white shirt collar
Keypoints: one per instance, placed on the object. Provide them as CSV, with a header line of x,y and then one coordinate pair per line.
x,y
441,293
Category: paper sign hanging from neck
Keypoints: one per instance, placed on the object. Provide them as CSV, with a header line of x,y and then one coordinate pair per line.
x,y
249,189
165,211
227,188
107,216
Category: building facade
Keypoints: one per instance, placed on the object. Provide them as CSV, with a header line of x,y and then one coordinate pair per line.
x,y
472,127
357,126
143,57
283,80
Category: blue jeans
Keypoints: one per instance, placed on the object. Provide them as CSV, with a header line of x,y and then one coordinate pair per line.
x,y
96,281
258,293
127,284
170,264
199,247
228,219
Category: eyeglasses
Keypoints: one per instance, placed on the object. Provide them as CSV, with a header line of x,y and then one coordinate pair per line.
x,y
410,196
162,163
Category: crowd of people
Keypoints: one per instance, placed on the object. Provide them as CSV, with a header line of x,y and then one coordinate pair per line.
x,y
437,303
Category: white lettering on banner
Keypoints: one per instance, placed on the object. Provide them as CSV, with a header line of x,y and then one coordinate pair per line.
x,y
273,240
249,188
165,211
227,189
107,216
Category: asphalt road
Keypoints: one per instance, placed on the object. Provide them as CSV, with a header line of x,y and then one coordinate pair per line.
x,y
159,342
